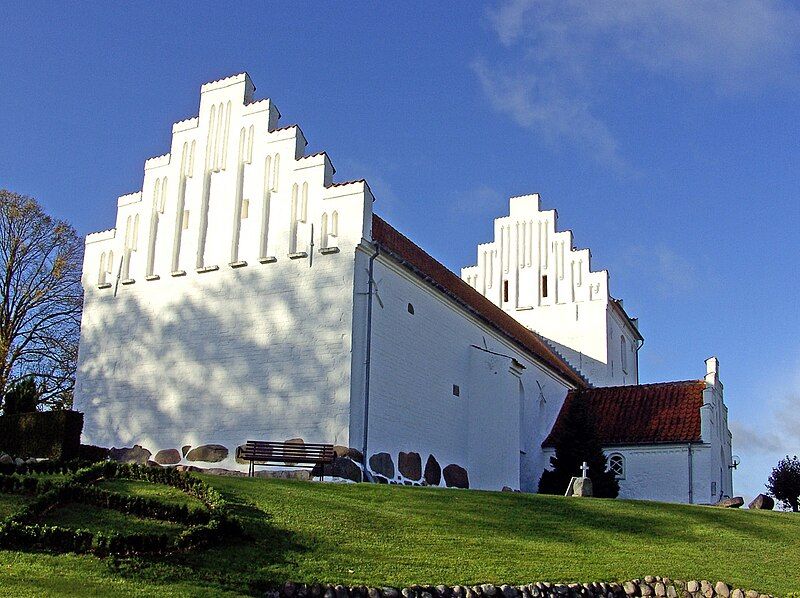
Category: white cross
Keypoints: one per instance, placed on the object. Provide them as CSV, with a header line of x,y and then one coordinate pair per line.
x,y
584,469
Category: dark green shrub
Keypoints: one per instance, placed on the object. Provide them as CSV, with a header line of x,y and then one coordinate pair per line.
x,y
577,443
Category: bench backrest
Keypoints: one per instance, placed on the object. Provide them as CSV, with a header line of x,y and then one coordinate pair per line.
x,y
287,452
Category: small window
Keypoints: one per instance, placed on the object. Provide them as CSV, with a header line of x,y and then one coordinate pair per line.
x,y
505,291
245,208
713,489
616,465
456,390
544,285
185,219
410,309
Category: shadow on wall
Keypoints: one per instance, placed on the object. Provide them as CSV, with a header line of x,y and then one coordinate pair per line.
x,y
258,352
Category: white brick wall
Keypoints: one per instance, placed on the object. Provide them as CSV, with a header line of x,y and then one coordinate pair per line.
x,y
417,359
247,350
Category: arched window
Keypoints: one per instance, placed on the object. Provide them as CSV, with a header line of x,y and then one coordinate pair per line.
x,y
616,465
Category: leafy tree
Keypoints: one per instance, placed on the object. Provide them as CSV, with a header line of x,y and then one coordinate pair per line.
x,y
575,443
23,397
40,300
784,482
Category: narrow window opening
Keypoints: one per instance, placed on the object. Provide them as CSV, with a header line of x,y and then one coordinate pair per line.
x,y
505,291
456,390
185,219
623,354
411,309
544,285
245,208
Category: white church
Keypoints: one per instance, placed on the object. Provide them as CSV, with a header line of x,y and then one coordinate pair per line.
x,y
244,295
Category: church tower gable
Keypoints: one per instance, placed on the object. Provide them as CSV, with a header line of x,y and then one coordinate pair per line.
x,y
533,272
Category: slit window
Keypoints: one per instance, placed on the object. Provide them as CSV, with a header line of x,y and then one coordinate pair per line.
x,y
456,390
410,309
544,285
505,291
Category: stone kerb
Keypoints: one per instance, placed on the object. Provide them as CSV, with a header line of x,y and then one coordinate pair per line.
x,y
649,587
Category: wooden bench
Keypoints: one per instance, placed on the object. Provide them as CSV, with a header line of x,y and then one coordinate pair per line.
x,y
263,452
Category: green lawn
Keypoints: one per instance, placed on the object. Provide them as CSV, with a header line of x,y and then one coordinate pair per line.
x,y
389,535
162,492
96,519
10,504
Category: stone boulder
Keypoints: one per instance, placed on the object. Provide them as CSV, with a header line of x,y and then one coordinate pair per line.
x,y
410,465
382,464
209,453
6,459
581,487
345,468
349,452
283,474
185,449
167,457
433,471
731,503
134,454
763,502
456,476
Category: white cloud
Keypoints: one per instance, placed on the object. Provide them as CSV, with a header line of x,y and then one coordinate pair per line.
x,y
748,440
481,201
535,103
562,56
667,271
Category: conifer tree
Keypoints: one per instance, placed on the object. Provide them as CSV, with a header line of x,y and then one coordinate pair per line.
x,y
576,442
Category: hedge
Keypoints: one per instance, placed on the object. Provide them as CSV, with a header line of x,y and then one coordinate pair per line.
x,y
207,526
53,435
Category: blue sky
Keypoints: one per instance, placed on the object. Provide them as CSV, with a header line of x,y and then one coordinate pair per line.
x,y
664,133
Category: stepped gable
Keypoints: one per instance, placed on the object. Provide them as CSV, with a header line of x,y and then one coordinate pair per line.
x,y
414,257
668,412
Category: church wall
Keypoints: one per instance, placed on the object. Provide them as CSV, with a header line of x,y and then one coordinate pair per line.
x,y
623,346
418,358
226,312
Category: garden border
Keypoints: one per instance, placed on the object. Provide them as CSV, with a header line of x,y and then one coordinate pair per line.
x,y
206,526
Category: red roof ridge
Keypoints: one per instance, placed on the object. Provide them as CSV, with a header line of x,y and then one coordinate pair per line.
x,y
646,385
416,258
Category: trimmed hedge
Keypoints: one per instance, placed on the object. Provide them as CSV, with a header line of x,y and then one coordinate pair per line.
x,y
206,526
53,435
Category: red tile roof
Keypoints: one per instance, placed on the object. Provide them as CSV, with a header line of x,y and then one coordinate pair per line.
x,y
668,412
402,248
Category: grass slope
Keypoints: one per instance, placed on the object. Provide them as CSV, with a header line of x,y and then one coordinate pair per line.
x,y
389,535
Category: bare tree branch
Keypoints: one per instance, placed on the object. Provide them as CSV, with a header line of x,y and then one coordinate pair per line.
x,y
40,306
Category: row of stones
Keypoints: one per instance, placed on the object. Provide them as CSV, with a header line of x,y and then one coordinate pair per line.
x,y
409,466
650,586
208,453
348,464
